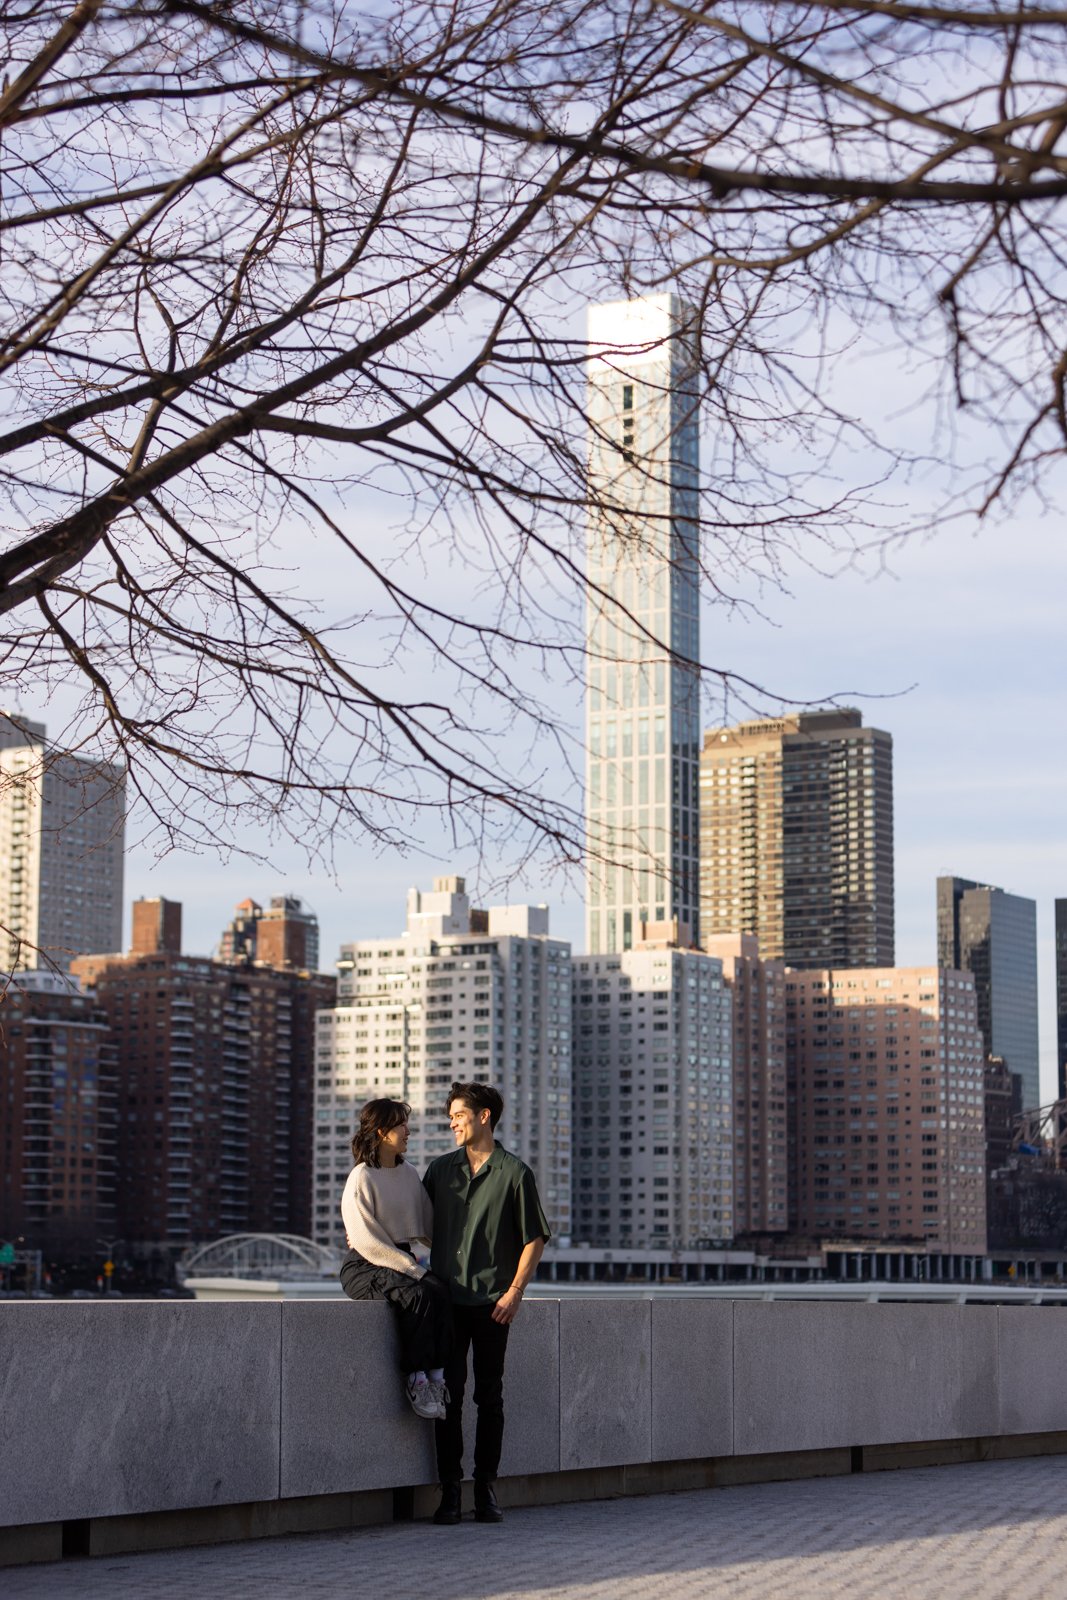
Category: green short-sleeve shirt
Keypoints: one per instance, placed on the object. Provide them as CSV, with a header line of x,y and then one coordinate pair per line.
x,y
481,1225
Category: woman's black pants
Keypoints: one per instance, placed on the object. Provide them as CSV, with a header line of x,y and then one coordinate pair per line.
x,y
423,1309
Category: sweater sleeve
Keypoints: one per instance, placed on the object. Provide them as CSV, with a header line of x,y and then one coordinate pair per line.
x,y
365,1232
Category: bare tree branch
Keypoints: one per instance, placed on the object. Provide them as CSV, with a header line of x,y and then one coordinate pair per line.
x,y
294,380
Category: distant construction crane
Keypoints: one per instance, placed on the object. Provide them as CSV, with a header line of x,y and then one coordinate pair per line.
x,y
1040,1136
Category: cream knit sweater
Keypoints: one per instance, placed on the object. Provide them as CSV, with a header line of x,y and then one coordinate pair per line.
x,y
381,1205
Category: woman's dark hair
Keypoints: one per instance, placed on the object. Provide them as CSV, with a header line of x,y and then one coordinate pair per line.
x,y
478,1097
377,1115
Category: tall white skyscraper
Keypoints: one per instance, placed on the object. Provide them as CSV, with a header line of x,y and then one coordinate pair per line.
x,y
62,839
642,624
461,995
653,1104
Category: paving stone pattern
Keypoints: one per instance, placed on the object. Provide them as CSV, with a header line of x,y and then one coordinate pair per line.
x,y
995,1531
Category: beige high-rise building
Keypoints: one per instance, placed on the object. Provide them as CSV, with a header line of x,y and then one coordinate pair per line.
x,y
887,1071
760,1084
796,838
459,995
62,837
653,1112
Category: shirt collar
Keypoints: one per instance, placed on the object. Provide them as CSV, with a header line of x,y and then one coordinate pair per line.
x,y
491,1160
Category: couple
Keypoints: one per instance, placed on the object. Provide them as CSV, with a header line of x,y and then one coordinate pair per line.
x,y
479,1210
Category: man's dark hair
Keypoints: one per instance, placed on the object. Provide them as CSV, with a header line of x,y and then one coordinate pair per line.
x,y
478,1097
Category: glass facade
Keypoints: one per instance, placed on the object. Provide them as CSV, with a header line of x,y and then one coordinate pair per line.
x,y
642,625
982,930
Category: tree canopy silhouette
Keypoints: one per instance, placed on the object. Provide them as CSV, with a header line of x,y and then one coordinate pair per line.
x,y
268,264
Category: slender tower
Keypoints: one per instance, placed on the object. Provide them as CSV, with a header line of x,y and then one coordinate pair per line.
x,y
642,624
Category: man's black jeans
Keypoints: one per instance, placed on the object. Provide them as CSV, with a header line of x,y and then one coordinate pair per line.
x,y
473,1329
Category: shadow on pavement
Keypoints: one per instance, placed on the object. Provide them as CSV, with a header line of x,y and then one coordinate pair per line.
x,y
707,1541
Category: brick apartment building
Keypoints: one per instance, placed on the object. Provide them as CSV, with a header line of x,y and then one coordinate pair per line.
x,y
887,1083
215,1082
57,1117
286,934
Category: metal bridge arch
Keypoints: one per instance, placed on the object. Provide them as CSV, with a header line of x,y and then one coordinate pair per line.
x,y
259,1255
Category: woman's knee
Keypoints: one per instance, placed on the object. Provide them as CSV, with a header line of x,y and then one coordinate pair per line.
x,y
357,1285
435,1289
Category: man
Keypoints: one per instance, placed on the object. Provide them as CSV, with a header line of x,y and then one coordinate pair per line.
x,y
488,1235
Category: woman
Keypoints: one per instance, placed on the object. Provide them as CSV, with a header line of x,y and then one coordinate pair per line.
x,y
386,1210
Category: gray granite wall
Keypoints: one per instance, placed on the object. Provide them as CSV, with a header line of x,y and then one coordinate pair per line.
x,y
119,1408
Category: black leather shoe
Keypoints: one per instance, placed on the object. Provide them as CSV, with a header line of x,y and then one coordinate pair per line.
x,y
485,1506
450,1511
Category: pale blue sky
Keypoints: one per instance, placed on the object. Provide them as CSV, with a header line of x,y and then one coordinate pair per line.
x,y
964,633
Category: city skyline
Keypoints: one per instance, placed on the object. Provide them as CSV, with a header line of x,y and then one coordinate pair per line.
x,y
952,816
706,1083
781,828
952,643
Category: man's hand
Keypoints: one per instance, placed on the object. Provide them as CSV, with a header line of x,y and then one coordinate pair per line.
x,y
507,1307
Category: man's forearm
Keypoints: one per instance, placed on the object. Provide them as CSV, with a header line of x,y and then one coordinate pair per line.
x,y
531,1255
507,1306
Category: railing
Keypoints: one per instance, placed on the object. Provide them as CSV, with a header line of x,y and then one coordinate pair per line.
x,y
873,1290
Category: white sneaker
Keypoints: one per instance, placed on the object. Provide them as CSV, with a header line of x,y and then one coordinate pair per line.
x,y
440,1391
422,1397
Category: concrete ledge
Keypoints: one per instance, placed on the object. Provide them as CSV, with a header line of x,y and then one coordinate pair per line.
x,y
605,1383
121,1408
216,1421
266,1519
1033,1342
531,1394
692,1379
814,1377
34,1541
344,1424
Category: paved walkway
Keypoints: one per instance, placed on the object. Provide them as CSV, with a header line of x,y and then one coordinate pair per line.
x,y
996,1531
